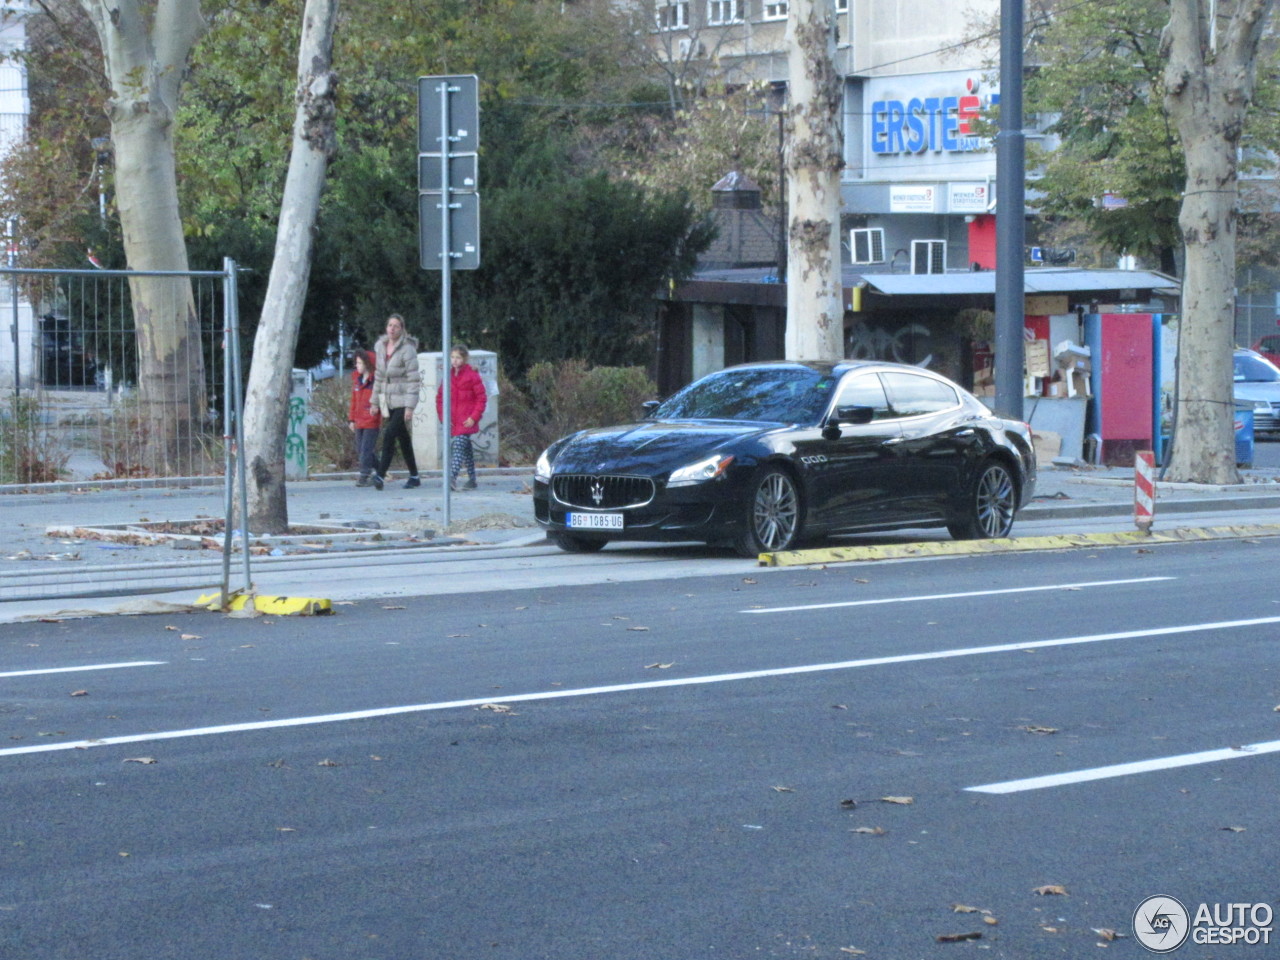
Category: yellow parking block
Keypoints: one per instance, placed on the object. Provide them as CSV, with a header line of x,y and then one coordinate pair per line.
x,y
946,548
275,606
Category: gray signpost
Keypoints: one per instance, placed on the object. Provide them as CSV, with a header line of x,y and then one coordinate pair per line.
x,y
448,208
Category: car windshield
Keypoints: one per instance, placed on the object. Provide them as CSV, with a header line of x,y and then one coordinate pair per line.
x,y
1250,369
772,394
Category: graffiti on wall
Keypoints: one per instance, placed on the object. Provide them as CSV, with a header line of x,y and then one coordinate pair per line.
x,y
924,341
295,441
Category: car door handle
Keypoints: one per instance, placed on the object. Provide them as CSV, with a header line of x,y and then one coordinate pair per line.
x,y
893,440
968,432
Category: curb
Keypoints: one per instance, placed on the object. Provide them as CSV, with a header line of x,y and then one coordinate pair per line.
x,y
910,551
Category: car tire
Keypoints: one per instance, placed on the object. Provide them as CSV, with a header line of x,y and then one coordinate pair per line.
x,y
571,544
989,505
773,515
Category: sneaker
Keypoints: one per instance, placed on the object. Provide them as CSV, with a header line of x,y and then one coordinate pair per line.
x,y
364,482
469,485
411,483
376,481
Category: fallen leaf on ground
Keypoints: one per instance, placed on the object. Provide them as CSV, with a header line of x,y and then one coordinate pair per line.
x,y
327,763
638,629
965,908
659,666
79,693
394,607
848,804
191,636
873,831
957,937
495,707
1106,933
900,800
1229,829
748,580
990,921
854,950
138,760
784,789
1051,889
171,628
1035,729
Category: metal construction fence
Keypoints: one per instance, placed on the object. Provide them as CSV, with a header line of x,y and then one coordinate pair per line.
x,y
89,396
122,377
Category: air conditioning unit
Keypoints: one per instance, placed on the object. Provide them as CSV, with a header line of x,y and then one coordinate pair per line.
x,y
928,256
866,245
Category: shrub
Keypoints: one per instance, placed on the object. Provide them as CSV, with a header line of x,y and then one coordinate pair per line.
x,y
330,442
560,398
29,451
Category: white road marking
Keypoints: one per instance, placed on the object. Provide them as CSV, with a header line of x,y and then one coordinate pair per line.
x,y
954,596
92,666
630,687
1126,769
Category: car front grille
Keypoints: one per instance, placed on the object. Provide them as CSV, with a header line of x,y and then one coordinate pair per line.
x,y
602,492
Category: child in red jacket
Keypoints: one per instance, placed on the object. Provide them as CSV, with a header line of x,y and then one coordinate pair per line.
x,y
467,397
364,418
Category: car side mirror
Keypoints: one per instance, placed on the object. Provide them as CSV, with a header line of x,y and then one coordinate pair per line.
x,y
649,406
855,414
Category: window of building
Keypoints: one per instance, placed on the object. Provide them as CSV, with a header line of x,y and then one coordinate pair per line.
x,y
842,6
672,16
726,11
775,9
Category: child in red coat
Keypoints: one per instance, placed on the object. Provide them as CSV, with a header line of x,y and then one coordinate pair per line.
x,y
364,418
467,397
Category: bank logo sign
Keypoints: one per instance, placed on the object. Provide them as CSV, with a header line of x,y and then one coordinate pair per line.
x,y
1162,924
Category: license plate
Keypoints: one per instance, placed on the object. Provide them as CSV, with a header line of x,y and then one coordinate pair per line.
x,y
595,521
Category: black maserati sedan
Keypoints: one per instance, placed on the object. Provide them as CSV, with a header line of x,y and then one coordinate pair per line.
x,y
765,456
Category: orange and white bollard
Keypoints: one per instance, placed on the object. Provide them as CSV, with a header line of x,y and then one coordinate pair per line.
x,y
1144,490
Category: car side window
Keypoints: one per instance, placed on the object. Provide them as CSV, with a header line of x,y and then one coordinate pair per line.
x,y
912,395
865,390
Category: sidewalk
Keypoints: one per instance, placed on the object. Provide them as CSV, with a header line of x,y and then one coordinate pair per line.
x,y
405,527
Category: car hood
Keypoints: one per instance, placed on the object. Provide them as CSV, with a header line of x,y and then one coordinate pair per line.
x,y
649,448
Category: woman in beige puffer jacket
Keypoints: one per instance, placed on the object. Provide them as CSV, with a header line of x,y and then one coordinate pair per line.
x,y
395,391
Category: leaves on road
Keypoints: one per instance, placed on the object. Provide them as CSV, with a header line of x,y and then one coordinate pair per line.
x,y
328,763
899,800
870,831
191,636
1234,829
1041,730
495,707
1051,890
139,760
784,789
639,629
1106,933
659,666
958,937
79,693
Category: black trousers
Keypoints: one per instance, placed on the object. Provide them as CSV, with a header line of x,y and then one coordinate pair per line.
x,y
395,431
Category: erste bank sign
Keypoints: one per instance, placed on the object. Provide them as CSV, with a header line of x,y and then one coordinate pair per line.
x,y
929,118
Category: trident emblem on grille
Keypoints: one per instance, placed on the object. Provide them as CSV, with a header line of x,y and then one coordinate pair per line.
x,y
597,492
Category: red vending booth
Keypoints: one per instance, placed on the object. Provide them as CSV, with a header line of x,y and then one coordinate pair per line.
x,y
1121,415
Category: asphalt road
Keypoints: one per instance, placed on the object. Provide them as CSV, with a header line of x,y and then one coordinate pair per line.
x,y
683,768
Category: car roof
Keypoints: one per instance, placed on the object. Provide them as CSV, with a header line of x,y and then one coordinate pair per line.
x,y
833,367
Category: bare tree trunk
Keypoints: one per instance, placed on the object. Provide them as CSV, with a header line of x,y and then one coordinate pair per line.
x,y
1209,80
145,60
267,398
815,314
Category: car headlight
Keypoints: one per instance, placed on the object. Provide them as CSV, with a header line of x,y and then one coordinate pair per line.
x,y
700,472
542,469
